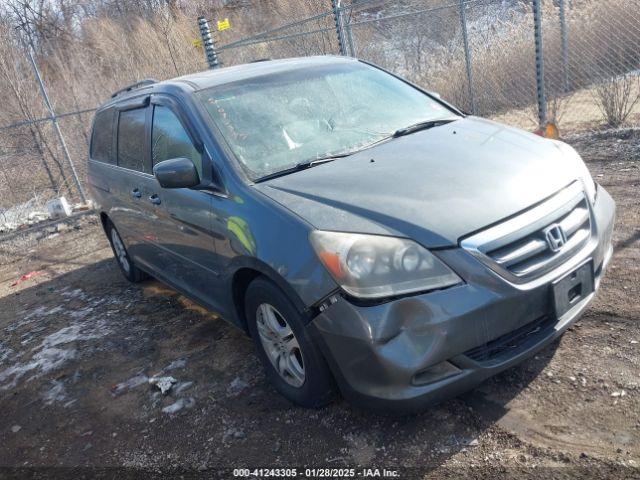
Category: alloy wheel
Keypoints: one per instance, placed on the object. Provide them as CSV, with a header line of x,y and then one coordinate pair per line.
x,y
280,344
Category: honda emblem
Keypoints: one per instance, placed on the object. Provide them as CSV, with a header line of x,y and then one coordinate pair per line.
x,y
555,237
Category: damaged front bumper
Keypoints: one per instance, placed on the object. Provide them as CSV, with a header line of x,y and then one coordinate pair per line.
x,y
415,351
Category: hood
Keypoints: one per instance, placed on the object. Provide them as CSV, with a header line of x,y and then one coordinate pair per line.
x,y
434,186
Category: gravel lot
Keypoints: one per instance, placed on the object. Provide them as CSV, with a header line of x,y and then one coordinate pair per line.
x,y
78,344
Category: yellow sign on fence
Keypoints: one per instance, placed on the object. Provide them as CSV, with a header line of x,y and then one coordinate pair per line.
x,y
223,24
197,42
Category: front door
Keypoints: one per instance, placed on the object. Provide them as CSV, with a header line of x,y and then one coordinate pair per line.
x,y
183,226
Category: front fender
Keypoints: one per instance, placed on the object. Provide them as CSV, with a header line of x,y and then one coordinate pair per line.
x,y
267,238
253,264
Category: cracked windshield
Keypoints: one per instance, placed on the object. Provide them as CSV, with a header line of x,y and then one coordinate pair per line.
x,y
275,122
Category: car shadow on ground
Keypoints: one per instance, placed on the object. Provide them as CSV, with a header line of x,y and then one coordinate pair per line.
x,y
80,347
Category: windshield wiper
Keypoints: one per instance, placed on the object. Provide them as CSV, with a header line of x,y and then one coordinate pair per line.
x,y
425,125
327,158
304,165
301,166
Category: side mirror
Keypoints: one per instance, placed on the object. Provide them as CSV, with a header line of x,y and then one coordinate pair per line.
x,y
176,173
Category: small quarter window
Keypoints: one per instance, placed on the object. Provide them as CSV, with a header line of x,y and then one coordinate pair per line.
x,y
169,139
131,140
101,140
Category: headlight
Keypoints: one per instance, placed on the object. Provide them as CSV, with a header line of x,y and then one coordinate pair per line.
x,y
582,170
372,266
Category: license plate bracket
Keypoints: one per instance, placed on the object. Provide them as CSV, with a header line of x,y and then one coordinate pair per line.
x,y
572,288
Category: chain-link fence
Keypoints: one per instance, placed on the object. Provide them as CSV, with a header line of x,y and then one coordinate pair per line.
x,y
592,63
578,66
456,49
34,169
481,54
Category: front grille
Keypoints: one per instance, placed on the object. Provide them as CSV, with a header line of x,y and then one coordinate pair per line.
x,y
532,252
520,246
513,342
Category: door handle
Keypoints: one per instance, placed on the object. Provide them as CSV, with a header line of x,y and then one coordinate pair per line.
x,y
135,193
155,199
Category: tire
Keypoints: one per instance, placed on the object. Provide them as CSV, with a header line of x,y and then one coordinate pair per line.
x,y
126,265
289,346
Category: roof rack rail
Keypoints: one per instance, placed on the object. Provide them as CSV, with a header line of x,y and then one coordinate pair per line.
x,y
133,86
261,60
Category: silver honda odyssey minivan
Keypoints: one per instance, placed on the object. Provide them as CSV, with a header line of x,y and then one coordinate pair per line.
x,y
371,238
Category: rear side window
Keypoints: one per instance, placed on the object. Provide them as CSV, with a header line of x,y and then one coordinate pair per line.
x,y
101,140
169,139
131,140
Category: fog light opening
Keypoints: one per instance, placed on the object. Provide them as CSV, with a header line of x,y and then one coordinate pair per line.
x,y
435,373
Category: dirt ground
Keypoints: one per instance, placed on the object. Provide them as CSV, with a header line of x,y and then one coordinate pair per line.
x,y
78,343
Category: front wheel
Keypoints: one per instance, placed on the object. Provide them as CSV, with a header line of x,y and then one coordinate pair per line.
x,y
291,359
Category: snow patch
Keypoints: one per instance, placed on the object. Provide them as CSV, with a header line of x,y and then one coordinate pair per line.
x,y
182,386
57,393
42,362
76,332
5,352
50,354
179,405
179,363
237,386
75,293
27,213
129,384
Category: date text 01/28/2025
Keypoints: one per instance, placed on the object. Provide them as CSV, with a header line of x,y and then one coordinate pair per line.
x,y
316,472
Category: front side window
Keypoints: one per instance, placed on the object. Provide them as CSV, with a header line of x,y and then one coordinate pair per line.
x,y
276,121
102,138
131,140
169,139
